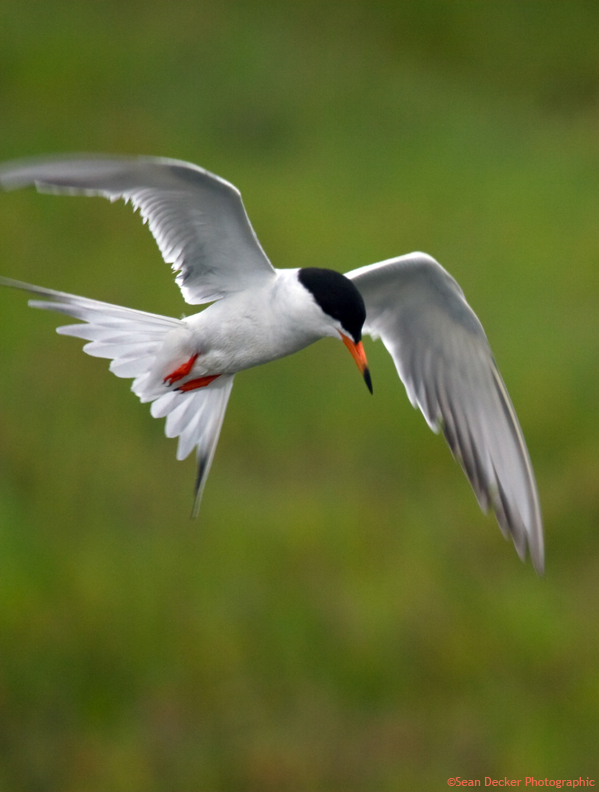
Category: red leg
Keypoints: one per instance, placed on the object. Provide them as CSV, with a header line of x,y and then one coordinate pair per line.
x,y
181,372
194,384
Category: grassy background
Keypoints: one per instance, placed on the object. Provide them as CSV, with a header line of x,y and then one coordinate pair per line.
x,y
341,617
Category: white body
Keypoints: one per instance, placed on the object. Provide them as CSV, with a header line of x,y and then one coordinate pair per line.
x,y
246,329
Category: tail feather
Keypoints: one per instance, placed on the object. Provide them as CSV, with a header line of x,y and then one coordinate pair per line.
x,y
132,339
205,450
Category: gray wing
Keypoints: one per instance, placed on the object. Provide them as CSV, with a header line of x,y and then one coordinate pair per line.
x,y
444,360
197,218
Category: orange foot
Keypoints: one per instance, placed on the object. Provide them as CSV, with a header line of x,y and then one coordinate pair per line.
x,y
194,384
181,372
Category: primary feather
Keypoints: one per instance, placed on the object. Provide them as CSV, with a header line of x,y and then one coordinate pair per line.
x,y
443,357
197,218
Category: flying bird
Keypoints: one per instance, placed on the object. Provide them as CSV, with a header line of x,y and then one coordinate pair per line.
x,y
185,367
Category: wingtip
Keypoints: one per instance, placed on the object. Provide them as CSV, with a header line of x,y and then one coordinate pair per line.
x,y
17,173
537,557
529,544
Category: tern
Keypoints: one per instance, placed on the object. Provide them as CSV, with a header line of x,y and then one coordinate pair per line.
x,y
185,367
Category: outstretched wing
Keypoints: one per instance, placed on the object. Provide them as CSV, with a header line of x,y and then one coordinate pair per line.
x,y
444,360
197,218
132,340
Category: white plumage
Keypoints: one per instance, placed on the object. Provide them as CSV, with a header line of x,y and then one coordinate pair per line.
x,y
186,367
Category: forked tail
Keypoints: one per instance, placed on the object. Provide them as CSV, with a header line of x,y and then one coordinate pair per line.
x,y
132,339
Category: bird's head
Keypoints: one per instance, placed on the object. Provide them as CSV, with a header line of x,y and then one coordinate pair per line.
x,y
342,304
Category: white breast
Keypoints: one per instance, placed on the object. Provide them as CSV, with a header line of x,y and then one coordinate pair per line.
x,y
253,327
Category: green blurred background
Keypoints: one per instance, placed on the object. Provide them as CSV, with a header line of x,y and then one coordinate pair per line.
x,y
342,616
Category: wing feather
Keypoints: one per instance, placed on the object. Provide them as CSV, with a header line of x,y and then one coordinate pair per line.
x,y
197,218
444,360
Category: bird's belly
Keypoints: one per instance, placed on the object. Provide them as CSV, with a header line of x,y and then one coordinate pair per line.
x,y
243,350
236,333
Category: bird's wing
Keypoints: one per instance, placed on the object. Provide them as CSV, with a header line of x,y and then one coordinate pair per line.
x,y
197,218
132,339
444,360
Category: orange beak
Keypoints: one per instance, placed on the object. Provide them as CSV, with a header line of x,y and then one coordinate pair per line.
x,y
358,354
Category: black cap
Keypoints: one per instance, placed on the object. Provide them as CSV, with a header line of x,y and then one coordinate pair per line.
x,y
337,296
